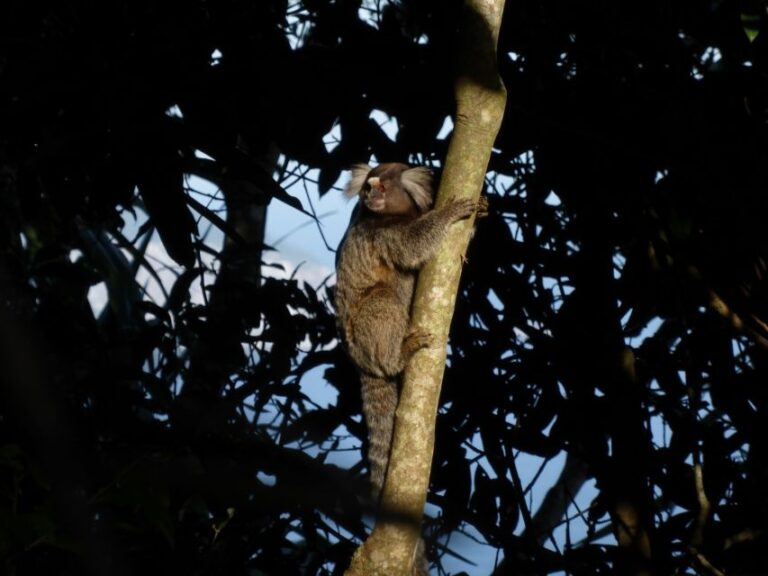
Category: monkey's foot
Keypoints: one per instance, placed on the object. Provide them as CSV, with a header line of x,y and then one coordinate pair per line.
x,y
416,340
482,207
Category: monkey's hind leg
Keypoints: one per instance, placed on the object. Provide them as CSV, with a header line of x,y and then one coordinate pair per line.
x,y
376,334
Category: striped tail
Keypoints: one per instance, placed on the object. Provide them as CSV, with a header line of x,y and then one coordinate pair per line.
x,y
379,405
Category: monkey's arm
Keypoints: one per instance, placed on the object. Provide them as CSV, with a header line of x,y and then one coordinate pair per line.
x,y
411,244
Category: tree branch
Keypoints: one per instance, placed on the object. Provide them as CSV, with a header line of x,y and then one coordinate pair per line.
x,y
480,97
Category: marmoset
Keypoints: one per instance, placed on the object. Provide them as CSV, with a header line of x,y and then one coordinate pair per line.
x,y
393,233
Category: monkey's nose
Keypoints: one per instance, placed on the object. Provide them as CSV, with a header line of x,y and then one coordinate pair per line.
x,y
374,182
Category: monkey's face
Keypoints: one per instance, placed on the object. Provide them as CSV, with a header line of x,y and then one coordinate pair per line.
x,y
387,197
392,189
374,195
383,192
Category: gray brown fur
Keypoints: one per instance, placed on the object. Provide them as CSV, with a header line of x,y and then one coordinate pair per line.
x,y
393,234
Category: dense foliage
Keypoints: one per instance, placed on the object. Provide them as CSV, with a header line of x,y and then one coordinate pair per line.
x,y
614,305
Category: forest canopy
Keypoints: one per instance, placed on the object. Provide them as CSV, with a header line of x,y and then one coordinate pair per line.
x,y
612,320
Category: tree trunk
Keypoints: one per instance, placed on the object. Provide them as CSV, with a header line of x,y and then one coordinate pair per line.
x,y
393,546
236,285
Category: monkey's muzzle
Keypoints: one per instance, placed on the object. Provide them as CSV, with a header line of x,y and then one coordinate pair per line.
x,y
375,199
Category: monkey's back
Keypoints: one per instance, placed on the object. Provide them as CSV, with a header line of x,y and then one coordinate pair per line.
x,y
364,268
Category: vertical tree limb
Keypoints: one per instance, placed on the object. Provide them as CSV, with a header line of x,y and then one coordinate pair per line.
x,y
480,101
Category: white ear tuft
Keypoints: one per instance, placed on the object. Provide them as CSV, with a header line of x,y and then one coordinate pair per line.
x,y
359,173
418,183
